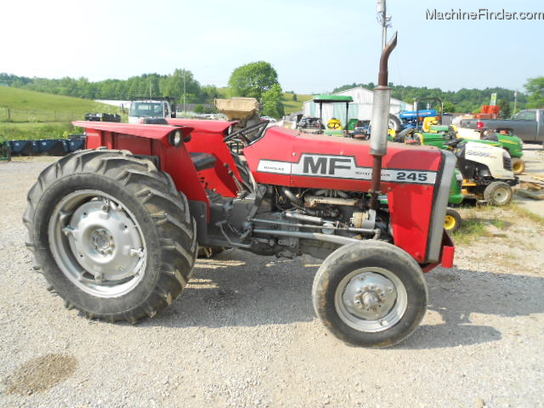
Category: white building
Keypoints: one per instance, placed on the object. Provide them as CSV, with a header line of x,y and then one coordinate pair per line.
x,y
360,108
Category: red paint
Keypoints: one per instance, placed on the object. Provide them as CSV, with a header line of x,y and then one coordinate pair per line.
x,y
150,140
410,204
207,137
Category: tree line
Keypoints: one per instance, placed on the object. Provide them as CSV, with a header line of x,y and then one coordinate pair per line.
x,y
260,80
181,82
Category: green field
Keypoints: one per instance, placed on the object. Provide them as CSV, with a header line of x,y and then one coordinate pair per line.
x,y
294,106
34,115
31,131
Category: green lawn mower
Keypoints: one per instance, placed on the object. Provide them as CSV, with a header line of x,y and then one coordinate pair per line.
x,y
486,167
506,139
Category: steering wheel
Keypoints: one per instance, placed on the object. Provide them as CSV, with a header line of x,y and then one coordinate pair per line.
x,y
453,143
245,135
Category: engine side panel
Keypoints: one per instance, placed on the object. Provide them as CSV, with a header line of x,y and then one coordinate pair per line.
x,y
409,175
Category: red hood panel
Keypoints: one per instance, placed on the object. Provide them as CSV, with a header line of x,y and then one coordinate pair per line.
x,y
288,158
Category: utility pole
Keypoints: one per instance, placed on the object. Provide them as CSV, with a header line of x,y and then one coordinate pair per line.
x,y
515,101
383,19
184,73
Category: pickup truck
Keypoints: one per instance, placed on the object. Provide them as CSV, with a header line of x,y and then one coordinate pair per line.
x,y
527,124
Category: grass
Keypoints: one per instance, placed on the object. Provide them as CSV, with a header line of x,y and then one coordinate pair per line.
x,y
470,230
290,105
475,226
31,131
19,101
37,115
529,215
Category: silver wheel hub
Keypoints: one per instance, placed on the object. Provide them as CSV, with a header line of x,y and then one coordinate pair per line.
x,y
501,195
97,243
371,299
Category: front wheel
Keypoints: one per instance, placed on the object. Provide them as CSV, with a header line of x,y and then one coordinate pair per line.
x,y
112,235
453,220
498,193
370,294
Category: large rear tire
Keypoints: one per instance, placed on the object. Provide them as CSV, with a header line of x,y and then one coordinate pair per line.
x,y
111,234
370,294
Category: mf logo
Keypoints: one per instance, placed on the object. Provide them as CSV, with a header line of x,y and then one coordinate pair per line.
x,y
325,165
342,167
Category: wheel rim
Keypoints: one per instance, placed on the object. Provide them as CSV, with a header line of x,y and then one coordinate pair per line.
x,y
449,222
518,167
371,299
501,195
97,243
392,125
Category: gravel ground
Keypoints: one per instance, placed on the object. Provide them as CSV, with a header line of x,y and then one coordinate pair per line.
x,y
244,334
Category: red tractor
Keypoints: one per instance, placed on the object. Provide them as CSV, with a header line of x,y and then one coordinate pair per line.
x,y
116,228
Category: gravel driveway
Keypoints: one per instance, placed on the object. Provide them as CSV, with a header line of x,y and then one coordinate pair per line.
x,y
244,334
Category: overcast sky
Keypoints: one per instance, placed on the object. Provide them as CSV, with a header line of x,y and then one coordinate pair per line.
x,y
315,45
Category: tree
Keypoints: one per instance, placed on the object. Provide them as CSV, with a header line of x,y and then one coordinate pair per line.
x,y
272,105
209,93
253,80
506,111
535,89
449,107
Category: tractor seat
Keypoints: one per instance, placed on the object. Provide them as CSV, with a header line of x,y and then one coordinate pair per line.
x,y
203,161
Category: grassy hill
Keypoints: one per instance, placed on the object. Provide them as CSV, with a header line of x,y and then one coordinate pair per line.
x,y
291,105
30,115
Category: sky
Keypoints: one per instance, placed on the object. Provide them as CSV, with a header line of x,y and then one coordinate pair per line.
x,y
314,45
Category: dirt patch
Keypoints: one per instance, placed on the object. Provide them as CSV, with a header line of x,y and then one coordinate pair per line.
x,y
40,374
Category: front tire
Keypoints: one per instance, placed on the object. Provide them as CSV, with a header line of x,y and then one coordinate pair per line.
x,y
518,166
453,220
111,234
370,294
498,193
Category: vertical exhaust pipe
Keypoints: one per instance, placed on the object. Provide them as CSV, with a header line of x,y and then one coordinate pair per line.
x,y
380,121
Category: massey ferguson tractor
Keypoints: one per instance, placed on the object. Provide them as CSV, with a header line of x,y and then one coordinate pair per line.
x,y
115,228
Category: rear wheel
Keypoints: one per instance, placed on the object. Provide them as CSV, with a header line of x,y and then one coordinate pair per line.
x,y
498,193
370,294
394,123
112,235
453,220
518,166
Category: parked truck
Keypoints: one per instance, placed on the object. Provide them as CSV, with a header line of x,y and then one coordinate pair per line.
x,y
527,124
150,108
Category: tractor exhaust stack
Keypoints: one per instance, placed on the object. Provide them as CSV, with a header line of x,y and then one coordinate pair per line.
x,y
380,120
